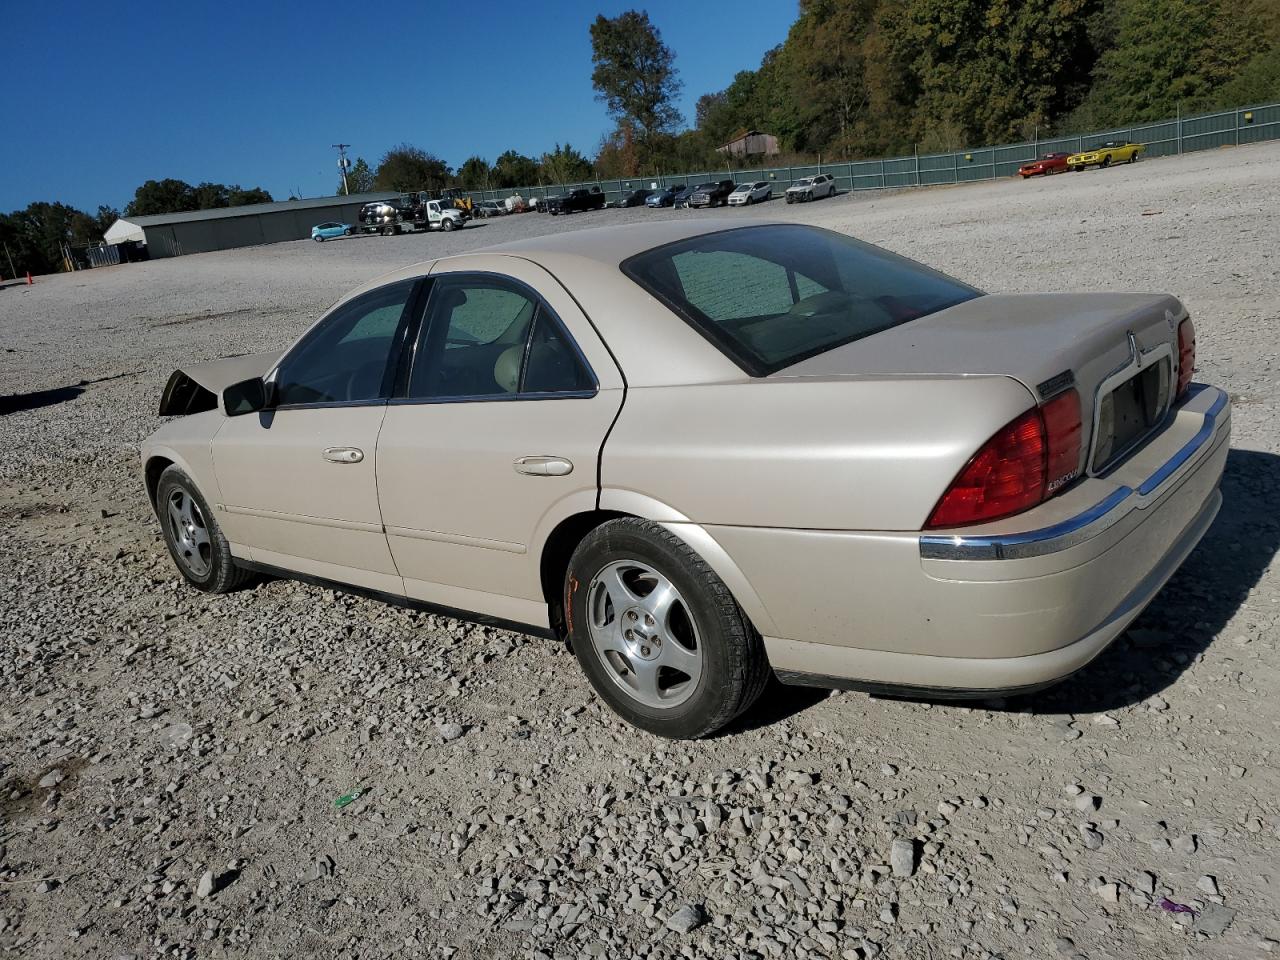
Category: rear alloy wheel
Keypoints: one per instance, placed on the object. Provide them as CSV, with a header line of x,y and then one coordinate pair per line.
x,y
657,632
195,541
346,232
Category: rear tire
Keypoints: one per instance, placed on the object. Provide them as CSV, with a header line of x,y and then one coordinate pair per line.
x,y
619,573
195,541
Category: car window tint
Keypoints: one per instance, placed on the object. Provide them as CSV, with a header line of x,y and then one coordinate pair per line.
x,y
473,340
732,286
344,358
552,365
770,296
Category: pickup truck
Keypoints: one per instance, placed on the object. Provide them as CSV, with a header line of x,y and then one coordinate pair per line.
x,y
715,194
576,201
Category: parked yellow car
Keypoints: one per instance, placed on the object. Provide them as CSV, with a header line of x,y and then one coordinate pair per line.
x,y
1105,154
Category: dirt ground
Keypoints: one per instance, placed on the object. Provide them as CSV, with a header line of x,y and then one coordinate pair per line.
x,y
288,771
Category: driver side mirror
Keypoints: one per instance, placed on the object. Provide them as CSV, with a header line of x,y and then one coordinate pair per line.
x,y
247,396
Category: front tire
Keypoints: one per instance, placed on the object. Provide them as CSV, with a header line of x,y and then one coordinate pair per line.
x,y
658,633
318,239
195,541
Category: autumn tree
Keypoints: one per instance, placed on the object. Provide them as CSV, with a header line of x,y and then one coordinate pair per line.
x,y
634,72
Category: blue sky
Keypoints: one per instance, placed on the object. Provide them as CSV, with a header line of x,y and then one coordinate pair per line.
x,y
108,95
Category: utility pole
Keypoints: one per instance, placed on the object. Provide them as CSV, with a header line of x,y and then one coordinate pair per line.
x,y
343,165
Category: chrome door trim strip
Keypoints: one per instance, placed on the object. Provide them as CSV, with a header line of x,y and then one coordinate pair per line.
x,y
413,533
361,525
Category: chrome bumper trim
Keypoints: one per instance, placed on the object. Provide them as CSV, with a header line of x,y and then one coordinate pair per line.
x,y
1084,525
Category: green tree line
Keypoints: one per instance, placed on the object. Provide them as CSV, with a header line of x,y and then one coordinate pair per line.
x,y
860,78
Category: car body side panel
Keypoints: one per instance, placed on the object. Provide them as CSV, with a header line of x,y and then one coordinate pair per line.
x,y
465,525
874,591
187,442
298,509
827,454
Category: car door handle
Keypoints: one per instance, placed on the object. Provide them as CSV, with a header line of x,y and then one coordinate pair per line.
x,y
343,454
543,466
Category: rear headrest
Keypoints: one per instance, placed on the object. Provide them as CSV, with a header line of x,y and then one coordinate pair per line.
x,y
452,299
506,371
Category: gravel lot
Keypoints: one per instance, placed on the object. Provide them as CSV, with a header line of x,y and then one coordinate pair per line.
x,y
171,764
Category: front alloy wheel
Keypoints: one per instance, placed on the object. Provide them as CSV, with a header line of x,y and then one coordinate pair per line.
x,y
199,550
189,533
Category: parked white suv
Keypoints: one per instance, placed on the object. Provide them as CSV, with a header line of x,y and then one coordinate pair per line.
x,y
811,188
746,193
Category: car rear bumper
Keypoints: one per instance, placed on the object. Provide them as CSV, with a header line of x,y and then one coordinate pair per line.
x,y
974,612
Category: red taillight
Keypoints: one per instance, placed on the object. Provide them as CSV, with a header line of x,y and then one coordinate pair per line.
x,y
1062,427
1186,354
1025,463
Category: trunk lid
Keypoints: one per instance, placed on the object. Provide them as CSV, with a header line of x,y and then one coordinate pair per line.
x,y
1100,343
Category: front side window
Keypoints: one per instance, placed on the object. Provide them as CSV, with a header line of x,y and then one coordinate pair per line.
x,y
344,359
771,296
487,337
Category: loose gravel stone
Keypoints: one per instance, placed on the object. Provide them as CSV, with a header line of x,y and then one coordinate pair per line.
x,y
902,857
688,918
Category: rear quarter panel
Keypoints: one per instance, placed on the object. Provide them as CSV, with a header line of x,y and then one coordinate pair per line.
x,y
828,454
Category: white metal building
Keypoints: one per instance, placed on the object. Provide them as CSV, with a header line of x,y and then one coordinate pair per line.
x,y
200,231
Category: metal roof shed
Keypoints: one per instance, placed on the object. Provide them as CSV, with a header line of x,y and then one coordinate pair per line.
x,y
225,228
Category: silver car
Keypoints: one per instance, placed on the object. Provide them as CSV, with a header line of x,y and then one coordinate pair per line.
x,y
705,452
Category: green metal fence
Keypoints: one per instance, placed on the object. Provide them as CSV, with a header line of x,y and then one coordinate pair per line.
x,y
1167,138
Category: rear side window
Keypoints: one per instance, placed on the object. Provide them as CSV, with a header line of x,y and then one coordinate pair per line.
x,y
773,295
486,337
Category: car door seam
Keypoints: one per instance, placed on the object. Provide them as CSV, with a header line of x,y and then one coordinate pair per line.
x,y
618,366
377,493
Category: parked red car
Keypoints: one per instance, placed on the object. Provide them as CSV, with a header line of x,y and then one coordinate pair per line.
x,y
1049,163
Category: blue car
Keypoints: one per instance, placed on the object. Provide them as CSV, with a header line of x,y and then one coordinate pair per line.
x,y
665,197
327,231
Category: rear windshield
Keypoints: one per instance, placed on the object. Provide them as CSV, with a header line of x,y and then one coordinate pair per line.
x,y
774,295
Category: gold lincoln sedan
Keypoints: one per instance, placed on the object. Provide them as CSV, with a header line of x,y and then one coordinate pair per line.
x,y
705,452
